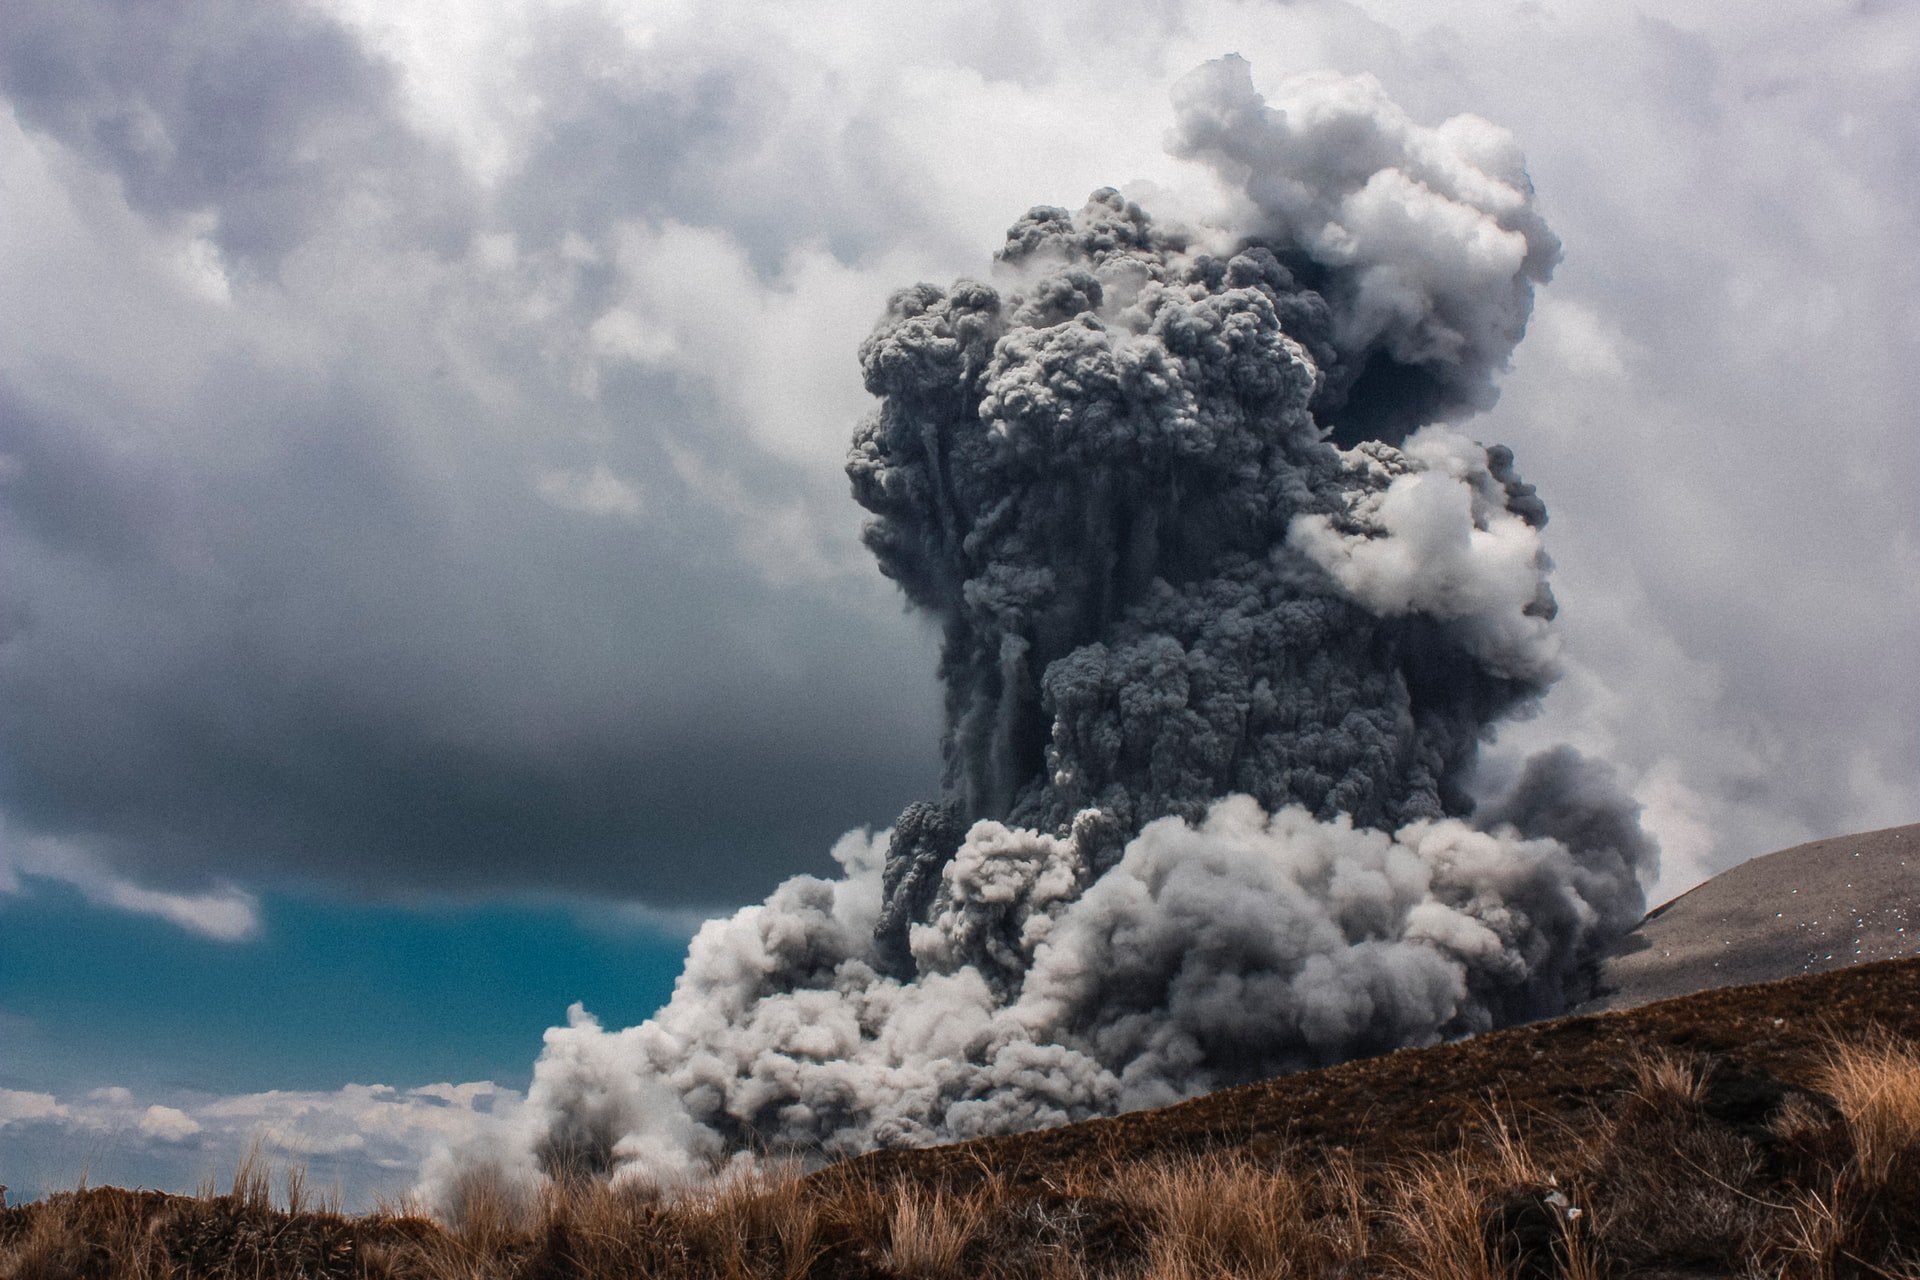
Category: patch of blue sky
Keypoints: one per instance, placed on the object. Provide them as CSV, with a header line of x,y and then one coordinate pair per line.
x,y
329,992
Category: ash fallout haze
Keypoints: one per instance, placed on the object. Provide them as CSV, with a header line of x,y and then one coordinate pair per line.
x,y
424,468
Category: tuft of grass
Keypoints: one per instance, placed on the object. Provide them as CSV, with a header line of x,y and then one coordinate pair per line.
x,y
253,1178
485,1206
1664,1080
1865,1219
1433,1211
1876,1086
929,1230
1229,1214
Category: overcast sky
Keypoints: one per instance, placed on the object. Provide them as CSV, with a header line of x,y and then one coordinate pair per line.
x,y
421,432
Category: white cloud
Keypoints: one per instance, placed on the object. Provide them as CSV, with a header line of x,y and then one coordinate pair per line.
x,y
17,1105
368,1140
168,1124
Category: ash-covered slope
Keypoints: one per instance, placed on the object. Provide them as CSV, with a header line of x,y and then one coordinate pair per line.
x,y
1227,609
1823,905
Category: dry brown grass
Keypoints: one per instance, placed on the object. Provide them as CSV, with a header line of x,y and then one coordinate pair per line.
x,y
1866,1220
1876,1086
1663,1079
1224,1215
1700,1166
927,1231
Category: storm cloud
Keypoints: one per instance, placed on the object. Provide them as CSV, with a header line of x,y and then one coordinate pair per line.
x,y
424,331
345,575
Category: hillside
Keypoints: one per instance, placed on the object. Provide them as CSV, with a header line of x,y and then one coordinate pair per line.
x,y
1760,1130
1553,1080
1814,907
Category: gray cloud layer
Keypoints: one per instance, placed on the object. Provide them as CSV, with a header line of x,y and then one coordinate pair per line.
x,y
349,610
380,432
316,668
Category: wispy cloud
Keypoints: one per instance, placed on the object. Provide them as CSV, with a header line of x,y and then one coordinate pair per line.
x,y
223,912
594,491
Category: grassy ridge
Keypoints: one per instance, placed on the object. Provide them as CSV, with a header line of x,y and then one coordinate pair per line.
x,y
1696,1169
1768,1131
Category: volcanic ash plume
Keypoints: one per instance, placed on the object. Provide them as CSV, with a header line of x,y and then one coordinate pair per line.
x,y
1227,607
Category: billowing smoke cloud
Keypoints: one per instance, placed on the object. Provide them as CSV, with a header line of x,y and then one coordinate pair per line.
x,y
1228,607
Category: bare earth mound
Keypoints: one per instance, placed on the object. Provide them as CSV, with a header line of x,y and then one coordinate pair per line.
x,y
1808,909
